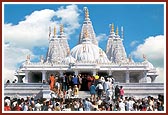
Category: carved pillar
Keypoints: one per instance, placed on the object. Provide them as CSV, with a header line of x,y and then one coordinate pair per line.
x,y
153,78
145,76
127,77
43,75
19,78
26,76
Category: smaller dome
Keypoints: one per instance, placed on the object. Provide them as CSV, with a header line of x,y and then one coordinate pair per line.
x,y
150,65
69,59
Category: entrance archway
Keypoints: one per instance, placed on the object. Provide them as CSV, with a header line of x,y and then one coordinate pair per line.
x,y
36,77
85,78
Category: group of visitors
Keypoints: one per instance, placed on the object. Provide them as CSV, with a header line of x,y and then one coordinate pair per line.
x,y
82,81
88,104
105,95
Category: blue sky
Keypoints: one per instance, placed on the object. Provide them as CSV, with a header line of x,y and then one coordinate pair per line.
x,y
140,22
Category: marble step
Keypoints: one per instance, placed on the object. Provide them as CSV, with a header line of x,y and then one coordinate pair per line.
x,y
41,90
141,84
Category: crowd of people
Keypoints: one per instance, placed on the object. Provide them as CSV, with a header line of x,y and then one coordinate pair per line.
x,y
105,95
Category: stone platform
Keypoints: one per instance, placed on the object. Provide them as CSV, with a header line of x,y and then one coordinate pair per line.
x,y
38,90
18,90
143,89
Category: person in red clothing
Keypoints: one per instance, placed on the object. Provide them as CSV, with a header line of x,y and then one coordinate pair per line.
x,y
52,81
7,107
17,107
121,92
89,81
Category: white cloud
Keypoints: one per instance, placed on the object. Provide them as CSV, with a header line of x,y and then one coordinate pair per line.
x,y
69,17
33,31
153,47
161,76
12,56
9,74
133,43
101,37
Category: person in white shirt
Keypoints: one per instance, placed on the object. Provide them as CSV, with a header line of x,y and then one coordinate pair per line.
x,y
131,103
109,93
38,105
106,86
69,92
99,89
121,105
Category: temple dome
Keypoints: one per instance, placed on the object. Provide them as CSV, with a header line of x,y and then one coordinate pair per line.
x,y
88,52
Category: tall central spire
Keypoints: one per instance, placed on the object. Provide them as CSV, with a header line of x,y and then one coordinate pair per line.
x,y
87,25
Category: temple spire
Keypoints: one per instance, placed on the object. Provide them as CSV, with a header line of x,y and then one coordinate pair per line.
x,y
117,31
49,32
122,32
54,31
112,27
87,24
61,29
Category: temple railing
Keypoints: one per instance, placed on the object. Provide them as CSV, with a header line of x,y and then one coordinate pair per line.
x,y
81,63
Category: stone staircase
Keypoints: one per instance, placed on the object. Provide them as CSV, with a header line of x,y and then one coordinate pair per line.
x,y
38,90
143,89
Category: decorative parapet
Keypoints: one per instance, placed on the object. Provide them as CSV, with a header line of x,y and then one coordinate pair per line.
x,y
84,62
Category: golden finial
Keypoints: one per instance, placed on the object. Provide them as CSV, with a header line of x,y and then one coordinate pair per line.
x,y
85,33
84,47
86,12
54,31
117,31
49,31
28,57
61,28
68,51
112,27
144,57
100,52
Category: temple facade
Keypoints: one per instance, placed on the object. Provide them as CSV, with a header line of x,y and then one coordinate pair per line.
x,y
87,58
